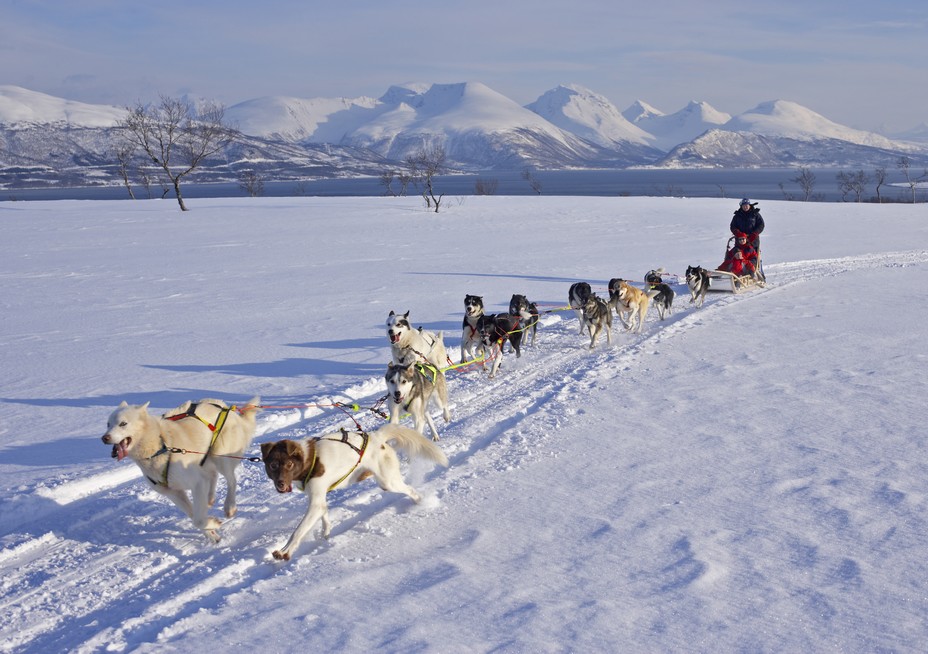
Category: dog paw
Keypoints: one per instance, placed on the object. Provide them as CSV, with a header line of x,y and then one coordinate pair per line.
x,y
280,556
231,511
213,535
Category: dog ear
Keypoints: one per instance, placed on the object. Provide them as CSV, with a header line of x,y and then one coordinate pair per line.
x,y
123,405
266,448
406,315
144,407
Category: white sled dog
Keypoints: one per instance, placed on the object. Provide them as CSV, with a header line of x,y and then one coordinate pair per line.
x,y
409,387
340,459
697,280
598,317
408,345
186,450
471,343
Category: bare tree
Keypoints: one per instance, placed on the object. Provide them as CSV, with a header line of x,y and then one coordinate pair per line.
x,y
250,182
176,137
529,176
904,164
124,152
486,186
855,183
806,181
386,180
879,176
425,165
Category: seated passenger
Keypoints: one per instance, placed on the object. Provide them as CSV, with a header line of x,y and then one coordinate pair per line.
x,y
741,259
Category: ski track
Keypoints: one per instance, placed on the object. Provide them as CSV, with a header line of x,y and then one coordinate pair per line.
x,y
122,538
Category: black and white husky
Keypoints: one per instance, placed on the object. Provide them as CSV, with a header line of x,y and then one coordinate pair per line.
x,y
408,345
471,344
662,298
410,387
577,296
527,313
697,280
495,329
597,315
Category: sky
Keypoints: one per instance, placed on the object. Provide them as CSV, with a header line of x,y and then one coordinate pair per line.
x,y
746,476
849,61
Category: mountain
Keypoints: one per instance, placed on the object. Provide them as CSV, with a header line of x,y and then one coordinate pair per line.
x,y
48,141
684,125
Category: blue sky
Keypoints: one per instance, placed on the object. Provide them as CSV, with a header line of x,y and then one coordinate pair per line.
x,y
859,63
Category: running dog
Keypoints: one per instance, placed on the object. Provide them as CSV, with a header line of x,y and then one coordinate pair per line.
x,y
697,280
410,386
335,460
597,315
408,345
495,329
471,344
528,314
186,450
577,296
661,295
630,303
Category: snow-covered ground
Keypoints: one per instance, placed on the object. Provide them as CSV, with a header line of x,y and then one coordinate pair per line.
x,y
749,476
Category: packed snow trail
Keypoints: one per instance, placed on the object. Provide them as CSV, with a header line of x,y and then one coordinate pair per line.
x,y
126,568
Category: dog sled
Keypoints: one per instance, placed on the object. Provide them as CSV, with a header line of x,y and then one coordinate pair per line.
x,y
726,282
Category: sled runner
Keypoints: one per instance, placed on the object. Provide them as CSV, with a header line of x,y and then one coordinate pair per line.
x,y
726,282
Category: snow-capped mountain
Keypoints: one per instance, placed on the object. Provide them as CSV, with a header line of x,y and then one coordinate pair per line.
x,y
781,118
21,109
52,141
589,115
682,126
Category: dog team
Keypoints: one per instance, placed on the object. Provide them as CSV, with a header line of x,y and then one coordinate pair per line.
x,y
187,448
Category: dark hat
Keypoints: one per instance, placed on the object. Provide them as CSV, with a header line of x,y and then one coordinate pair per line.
x,y
744,201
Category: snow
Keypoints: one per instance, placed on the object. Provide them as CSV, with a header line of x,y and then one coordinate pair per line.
x,y
21,107
748,476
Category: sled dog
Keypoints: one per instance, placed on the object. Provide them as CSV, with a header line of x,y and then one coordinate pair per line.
x,y
495,329
409,387
527,313
471,345
408,345
654,276
697,280
577,296
339,459
661,296
630,303
597,315
186,450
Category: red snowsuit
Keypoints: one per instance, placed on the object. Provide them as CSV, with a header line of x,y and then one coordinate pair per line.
x,y
740,260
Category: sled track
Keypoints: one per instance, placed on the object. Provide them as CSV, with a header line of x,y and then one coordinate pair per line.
x,y
119,540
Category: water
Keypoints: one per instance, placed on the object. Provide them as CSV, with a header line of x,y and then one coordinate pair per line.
x,y
757,184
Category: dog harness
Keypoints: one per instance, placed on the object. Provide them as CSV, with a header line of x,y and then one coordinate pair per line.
x,y
216,429
365,439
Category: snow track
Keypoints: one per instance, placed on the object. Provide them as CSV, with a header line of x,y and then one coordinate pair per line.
x,y
126,568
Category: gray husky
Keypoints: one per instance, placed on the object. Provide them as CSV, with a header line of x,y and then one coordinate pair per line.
x,y
597,315
410,386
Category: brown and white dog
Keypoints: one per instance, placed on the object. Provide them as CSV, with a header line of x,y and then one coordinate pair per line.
x,y
630,303
186,449
339,459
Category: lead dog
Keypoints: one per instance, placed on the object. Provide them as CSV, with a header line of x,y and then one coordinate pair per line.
x,y
597,315
335,460
186,450
471,344
630,303
577,296
697,280
494,330
528,314
410,386
408,345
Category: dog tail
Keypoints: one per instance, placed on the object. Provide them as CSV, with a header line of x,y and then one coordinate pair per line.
x,y
413,443
250,409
